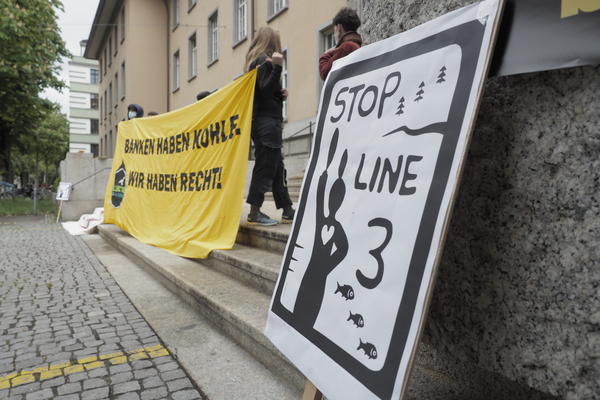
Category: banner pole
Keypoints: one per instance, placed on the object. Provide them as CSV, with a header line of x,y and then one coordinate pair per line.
x,y
311,392
59,210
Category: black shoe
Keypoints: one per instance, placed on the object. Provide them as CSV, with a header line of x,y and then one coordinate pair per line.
x,y
261,219
288,216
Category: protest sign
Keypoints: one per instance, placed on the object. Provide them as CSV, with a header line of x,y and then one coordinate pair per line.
x,y
177,179
64,191
393,127
539,35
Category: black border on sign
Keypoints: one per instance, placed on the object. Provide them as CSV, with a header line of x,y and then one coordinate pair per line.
x,y
469,36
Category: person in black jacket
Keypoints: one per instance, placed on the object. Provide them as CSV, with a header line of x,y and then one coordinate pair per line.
x,y
269,173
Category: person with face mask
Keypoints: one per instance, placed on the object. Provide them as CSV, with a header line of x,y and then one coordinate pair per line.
x,y
134,111
345,24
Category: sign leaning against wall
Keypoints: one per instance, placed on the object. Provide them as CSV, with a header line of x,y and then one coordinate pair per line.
x,y
393,130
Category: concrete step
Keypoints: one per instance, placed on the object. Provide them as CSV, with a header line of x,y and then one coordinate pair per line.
x,y
294,195
220,367
254,266
239,310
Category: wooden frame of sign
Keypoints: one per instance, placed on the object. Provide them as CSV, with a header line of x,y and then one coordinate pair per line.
x,y
333,359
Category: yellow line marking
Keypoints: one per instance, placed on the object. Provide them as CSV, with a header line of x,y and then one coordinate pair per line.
x,y
73,369
110,355
87,360
50,374
83,364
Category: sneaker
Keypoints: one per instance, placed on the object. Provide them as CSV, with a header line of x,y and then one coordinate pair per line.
x,y
261,219
288,217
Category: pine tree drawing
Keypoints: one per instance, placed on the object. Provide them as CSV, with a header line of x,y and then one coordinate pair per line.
x,y
400,107
420,92
442,75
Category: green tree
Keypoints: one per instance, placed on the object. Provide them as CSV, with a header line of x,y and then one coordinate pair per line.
x,y
30,51
37,154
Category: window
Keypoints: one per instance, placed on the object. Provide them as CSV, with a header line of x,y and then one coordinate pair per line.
x,y
122,85
105,104
94,76
104,60
327,40
101,67
174,13
213,38
109,51
176,70
240,9
192,57
110,98
191,4
94,101
94,126
116,93
284,83
277,6
122,24
115,35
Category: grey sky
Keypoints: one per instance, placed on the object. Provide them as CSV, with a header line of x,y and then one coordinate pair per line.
x,y
75,24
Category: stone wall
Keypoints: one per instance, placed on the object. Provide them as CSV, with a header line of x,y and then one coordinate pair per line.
x,y
89,193
518,291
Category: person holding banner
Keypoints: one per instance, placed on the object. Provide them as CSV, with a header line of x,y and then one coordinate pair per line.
x,y
269,172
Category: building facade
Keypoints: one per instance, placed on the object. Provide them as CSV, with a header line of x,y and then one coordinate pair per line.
x,y
84,77
161,53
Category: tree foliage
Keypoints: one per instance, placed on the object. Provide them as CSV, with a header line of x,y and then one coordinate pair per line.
x,y
30,52
36,155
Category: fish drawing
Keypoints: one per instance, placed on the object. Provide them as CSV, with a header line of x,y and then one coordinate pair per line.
x,y
368,348
357,319
346,291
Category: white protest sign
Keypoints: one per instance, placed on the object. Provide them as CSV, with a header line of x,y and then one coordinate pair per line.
x,y
393,127
64,191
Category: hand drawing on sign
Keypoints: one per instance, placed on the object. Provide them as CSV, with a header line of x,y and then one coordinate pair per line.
x,y
330,244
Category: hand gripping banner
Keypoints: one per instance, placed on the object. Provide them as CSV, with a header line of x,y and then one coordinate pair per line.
x,y
392,135
177,179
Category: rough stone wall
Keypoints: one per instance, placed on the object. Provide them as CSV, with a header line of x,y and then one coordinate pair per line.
x,y
518,290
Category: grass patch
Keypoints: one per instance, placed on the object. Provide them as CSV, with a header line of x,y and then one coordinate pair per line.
x,y
24,206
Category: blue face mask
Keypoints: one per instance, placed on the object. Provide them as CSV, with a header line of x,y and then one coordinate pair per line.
x,y
132,114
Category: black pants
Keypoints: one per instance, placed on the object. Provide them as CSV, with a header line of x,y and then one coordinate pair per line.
x,y
269,174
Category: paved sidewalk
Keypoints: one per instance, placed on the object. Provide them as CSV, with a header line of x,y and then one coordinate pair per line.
x,y
67,331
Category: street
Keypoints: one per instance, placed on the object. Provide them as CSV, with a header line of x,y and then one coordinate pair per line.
x,y
67,330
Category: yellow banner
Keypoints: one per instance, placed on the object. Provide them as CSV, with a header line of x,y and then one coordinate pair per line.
x,y
177,180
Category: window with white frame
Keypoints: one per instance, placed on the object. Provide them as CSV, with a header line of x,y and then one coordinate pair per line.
x,y
284,83
122,23
122,85
241,16
116,92
174,13
192,57
327,39
276,6
213,37
176,70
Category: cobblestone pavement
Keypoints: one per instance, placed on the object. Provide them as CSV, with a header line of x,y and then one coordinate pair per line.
x,y
67,331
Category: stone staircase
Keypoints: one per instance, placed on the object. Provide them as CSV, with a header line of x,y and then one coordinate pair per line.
x,y
232,289
294,183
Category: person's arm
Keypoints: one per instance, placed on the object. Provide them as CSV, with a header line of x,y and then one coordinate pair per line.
x,y
268,76
327,59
